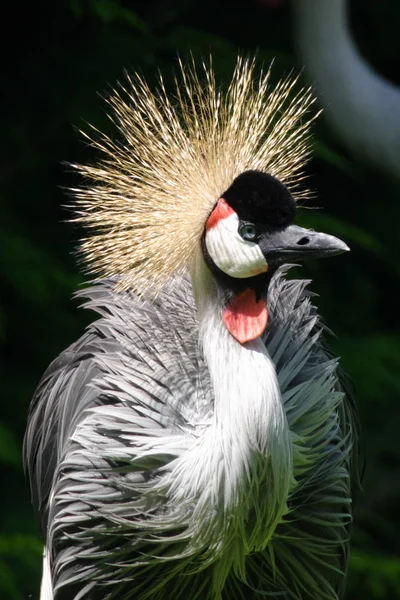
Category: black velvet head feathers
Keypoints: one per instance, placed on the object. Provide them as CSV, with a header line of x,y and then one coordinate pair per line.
x,y
259,197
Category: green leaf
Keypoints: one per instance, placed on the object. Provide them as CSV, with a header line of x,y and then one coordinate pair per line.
x,y
8,582
334,158
19,545
10,453
110,11
380,574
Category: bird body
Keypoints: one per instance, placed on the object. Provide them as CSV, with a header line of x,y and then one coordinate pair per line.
x,y
196,441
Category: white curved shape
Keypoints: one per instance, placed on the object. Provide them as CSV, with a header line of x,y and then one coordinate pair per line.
x,y
46,589
231,253
362,106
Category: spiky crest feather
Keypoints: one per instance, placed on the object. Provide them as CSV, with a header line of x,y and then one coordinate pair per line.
x,y
148,199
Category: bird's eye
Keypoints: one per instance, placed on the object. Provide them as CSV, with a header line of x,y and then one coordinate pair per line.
x,y
248,232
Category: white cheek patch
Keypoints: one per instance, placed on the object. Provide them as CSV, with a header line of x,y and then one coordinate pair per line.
x,y
231,253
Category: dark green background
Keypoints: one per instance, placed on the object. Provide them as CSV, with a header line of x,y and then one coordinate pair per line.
x,y
58,55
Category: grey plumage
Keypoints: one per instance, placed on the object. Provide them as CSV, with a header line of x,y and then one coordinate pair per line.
x,y
116,410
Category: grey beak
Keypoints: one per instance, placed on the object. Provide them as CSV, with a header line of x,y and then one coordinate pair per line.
x,y
297,243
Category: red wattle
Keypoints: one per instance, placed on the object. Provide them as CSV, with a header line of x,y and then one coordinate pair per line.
x,y
244,317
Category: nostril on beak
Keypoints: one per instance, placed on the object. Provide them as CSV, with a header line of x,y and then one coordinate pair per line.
x,y
303,241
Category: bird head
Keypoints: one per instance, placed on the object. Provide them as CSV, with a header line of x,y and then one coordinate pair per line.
x,y
200,168
251,229
249,233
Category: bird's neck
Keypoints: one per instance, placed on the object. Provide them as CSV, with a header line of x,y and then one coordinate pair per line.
x,y
251,439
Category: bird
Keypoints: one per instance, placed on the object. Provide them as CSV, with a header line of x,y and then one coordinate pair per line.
x,y
198,440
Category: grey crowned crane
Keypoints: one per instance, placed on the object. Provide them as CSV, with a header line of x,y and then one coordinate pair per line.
x,y
195,443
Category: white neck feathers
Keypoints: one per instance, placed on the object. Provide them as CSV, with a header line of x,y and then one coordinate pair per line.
x,y
245,453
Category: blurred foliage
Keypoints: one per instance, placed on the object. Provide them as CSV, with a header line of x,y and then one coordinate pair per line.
x,y
57,58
